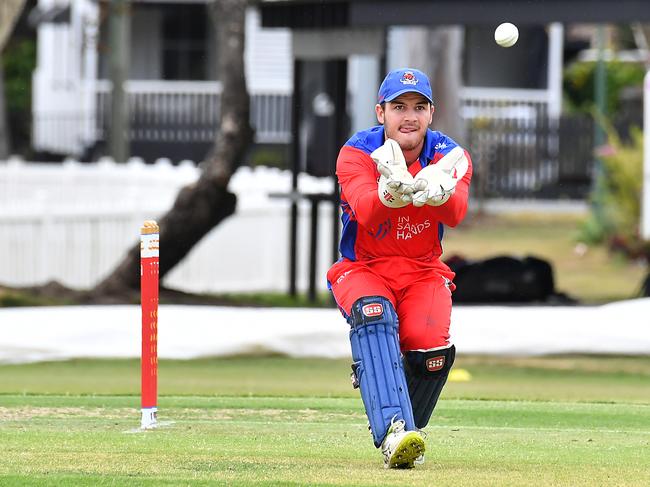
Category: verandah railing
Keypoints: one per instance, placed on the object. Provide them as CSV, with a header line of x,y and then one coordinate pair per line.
x,y
518,150
188,111
532,157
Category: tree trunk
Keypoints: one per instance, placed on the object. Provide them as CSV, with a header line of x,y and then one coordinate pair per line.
x,y
438,53
200,207
446,48
119,60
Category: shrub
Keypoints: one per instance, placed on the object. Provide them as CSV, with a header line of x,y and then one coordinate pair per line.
x,y
579,84
18,61
617,200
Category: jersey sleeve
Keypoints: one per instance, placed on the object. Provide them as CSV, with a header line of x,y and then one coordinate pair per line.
x,y
455,209
357,174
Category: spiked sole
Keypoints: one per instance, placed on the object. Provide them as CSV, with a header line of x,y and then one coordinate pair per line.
x,y
411,447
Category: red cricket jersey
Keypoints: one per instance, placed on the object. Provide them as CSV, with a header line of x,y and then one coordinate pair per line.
x,y
372,231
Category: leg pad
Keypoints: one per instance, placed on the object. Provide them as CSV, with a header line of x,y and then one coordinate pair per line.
x,y
378,365
426,374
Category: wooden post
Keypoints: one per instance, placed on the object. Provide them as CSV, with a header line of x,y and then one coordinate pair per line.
x,y
119,41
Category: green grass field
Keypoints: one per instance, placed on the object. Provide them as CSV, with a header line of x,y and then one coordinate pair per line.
x,y
569,420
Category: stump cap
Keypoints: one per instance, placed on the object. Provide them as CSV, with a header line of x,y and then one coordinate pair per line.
x,y
149,227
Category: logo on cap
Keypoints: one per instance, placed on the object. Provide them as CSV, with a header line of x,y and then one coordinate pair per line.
x,y
408,78
402,81
435,363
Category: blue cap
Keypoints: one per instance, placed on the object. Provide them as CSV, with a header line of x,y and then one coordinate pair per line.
x,y
405,80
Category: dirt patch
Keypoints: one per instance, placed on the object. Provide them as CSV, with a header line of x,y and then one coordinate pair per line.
x,y
25,413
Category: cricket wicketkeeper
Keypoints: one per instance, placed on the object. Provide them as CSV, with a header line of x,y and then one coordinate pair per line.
x,y
401,183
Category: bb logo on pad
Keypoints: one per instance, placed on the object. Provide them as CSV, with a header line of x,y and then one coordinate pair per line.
x,y
435,363
374,309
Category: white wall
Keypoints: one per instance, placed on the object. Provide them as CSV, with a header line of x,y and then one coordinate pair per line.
x,y
74,222
268,59
363,82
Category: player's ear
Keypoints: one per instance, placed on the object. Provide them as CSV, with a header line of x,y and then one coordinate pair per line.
x,y
379,110
433,109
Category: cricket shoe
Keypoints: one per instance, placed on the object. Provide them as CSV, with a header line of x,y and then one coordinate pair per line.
x,y
400,447
420,460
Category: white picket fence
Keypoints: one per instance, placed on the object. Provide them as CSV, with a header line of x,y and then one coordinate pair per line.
x,y
73,222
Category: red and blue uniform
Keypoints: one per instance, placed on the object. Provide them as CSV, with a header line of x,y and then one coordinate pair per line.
x,y
395,252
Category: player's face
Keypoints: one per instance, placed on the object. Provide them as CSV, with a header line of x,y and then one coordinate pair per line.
x,y
406,120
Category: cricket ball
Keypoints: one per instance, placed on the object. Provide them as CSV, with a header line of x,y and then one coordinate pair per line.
x,y
506,34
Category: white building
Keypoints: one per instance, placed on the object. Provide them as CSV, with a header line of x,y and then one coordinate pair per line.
x,y
172,75
174,93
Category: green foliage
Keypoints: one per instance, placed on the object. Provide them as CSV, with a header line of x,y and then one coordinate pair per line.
x,y
12,298
276,299
256,299
18,62
618,200
579,84
270,155
623,170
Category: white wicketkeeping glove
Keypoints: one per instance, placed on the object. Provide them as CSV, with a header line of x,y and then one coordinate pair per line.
x,y
440,187
396,185
441,178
